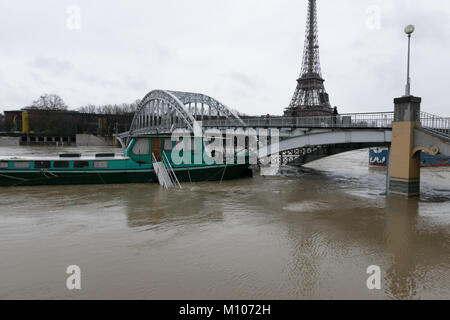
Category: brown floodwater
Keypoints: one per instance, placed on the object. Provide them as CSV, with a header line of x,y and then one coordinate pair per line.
x,y
308,233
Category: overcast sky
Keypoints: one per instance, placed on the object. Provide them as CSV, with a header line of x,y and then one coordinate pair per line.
x,y
245,53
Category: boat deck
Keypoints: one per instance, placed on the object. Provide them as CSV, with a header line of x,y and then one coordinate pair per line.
x,y
58,158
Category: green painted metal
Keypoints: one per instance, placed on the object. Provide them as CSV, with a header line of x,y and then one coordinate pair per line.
x,y
137,168
72,177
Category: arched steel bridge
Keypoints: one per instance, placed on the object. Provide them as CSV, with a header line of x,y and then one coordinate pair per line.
x,y
163,111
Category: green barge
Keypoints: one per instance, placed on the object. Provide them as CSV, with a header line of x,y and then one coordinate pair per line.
x,y
135,165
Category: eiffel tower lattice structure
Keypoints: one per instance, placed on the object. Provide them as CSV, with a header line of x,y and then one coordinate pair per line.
x,y
310,97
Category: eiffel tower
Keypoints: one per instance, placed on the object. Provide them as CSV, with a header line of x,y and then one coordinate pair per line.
x,y
310,97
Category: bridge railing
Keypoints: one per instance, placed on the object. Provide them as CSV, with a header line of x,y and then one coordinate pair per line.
x,y
435,124
348,120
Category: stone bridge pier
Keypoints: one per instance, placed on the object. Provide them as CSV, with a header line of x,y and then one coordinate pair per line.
x,y
404,164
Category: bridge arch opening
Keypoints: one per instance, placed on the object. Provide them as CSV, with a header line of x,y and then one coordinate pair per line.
x,y
310,154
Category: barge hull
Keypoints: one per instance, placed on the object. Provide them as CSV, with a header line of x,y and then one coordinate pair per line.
x,y
193,174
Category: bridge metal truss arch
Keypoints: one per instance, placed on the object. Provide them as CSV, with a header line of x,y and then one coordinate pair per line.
x,y
162,111
305,148
304,155
300,155
294,155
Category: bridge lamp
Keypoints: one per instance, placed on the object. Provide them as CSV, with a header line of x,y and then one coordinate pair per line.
x,y
408,30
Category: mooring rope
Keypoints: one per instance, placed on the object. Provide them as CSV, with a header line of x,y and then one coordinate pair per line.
x,y
189,174
10,177
101,178
45,172
223,173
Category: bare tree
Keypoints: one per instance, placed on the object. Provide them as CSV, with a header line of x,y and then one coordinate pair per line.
x,y
111,109
49,102
90,108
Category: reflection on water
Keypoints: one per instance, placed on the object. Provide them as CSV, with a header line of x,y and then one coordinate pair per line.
x,y
159,208
401,219
308,233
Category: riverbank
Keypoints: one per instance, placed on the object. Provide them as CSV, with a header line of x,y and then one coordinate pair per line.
x,y
79,140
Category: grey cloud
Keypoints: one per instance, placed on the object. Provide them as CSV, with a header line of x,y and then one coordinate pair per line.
x,y
53,65
242,79
247,57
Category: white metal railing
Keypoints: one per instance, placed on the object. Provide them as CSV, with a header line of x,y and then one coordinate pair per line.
x,y
437,125
161,173
348,120
172,175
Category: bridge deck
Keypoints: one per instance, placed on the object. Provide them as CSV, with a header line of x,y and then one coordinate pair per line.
x,y
350,120
378,120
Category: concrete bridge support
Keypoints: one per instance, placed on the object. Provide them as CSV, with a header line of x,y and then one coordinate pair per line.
x,y
404,173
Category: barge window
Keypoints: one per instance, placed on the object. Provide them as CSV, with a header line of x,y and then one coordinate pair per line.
x,y
60,164
42,164
81,164
105,155
70,155
168,144
141,146
101,164
21,165
4,165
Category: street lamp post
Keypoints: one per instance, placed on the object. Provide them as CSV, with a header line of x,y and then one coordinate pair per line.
x,y
408,30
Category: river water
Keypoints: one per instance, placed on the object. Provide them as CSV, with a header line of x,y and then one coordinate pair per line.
x,y
308,233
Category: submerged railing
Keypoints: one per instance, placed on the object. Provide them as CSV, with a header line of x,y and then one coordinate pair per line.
x,y
161,172
172,175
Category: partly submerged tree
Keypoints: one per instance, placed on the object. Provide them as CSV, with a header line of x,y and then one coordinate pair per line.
x,y
49,102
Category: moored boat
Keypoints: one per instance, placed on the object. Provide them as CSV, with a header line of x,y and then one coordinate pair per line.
x,y
135,165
